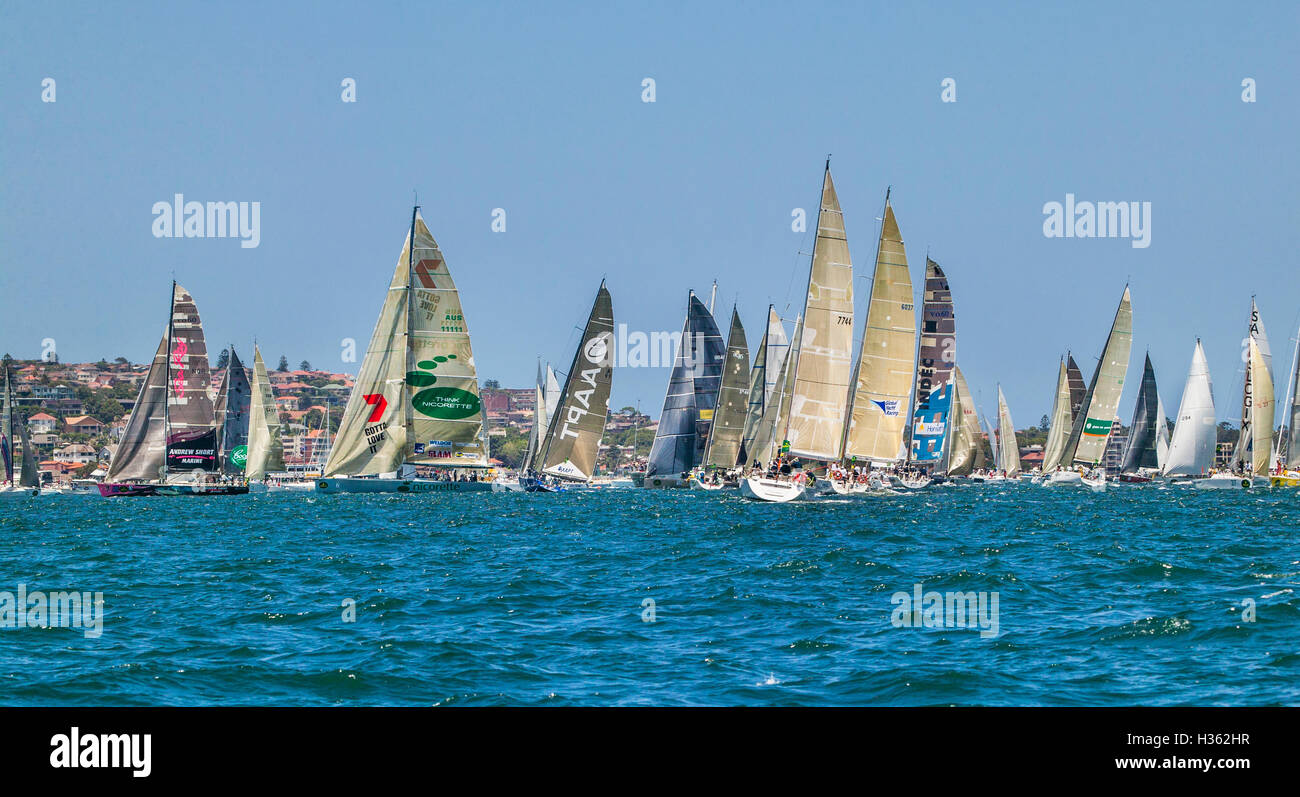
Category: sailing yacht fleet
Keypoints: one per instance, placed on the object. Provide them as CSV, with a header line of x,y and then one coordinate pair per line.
x,y
801,417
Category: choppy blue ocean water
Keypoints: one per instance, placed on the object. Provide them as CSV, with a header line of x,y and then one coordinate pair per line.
x,y
1138,596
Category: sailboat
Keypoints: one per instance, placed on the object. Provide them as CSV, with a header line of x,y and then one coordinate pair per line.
x,y
1092,426
1288,453
936,360
416,400
768,359
724,449
572,438
169,445
765,449
265,451
1259,423
1140,458
1008,448
1244,454
28,474
822,370
690,401
1061,420
1191,448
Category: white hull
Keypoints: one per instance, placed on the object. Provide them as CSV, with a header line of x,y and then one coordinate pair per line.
x,y
1223,481
349,484
1064,477
1096,485
285,487
507,486
760,489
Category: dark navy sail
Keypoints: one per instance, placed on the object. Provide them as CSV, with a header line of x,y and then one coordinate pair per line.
x,y
1140,450
692,395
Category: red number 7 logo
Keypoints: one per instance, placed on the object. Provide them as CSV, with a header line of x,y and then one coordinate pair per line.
x,y
380,404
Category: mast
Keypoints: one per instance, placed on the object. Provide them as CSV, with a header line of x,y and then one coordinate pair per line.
x,y
785,433
167,385
408,414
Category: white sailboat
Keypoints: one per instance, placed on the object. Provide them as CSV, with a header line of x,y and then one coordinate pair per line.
x,y
416,401
1191,448
1008,448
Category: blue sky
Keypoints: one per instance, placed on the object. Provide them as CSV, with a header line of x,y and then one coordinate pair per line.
x,y
536,109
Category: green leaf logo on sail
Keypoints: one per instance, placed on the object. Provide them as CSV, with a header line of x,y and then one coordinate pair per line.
x,y
239,456
444,403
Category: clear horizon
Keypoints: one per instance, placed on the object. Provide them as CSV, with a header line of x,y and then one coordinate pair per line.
x,y
539,112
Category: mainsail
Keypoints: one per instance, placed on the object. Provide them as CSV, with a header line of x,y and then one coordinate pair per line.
x,y
1092,427
1140,448
965,452
265,451
1008,448
416,399
823,370
28,475
887,358
140,452
1243,454
1078,388
1061,421
935,361
578,422
233,401
767,442
1261,405
190,422
1191,449
7,416
725,435
692,395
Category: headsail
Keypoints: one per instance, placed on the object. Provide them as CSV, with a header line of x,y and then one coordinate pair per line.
x,y
1078,389
1140,448
578,424
935,361
1191,449
1008,448
767,440
692,393
265,451
1261,405
886,362
1162,434
725,435
757,399
1061,421
141,450
1292,417
965,453
1092,427
823,371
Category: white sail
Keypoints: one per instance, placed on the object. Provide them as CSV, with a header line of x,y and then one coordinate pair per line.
x,y
1008,448
964,453
552,394
1261,405
994,444
824,367
887,361
767,440
265,451
1243,454
1162,435
1191,449
778,347
1292,417
1061,420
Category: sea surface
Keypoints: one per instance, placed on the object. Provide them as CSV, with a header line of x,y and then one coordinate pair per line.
x,y
1142,595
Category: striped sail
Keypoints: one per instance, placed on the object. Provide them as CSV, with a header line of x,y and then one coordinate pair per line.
x,y
823,370
1140,448
1061,421
191,421
725,435
1008,448
265,451
1243,454
578,423
936,358
1191,449
1092,427
885,366
1261,406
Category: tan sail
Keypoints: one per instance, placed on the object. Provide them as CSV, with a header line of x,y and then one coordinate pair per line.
x,y
768,438
723,449
445,413
965,448
1092,427
1261,407
265,451
824,368
1060,422
887,361
1008,448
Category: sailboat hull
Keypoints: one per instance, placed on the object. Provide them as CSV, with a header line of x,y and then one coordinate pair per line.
x,y
346,484
779,492
111,490
665,482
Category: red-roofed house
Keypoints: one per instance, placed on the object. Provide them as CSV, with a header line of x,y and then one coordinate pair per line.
x,y
42,422
84,424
